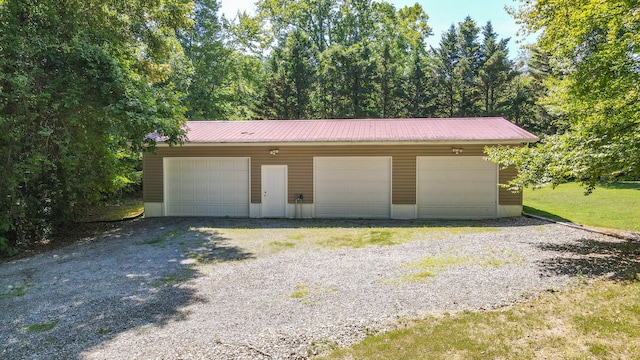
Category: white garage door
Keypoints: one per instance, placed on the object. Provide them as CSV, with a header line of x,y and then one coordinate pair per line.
x,y
456,187
206,186
352,187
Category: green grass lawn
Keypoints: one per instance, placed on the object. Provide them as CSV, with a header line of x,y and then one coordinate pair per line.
x,y
616,206
597,321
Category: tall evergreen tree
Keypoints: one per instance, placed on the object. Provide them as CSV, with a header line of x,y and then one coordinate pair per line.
x,y
496,70
447,59
288,88
420,87
468,66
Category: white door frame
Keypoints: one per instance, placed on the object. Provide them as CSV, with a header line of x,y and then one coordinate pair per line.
x,y
268,188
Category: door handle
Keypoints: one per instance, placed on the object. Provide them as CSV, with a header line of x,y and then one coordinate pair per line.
x,y
265,194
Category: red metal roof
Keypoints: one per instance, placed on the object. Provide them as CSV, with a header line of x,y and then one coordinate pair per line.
x,y
483,129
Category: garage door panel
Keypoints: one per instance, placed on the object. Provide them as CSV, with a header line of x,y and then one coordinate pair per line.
x,y
456,187
207,186
352,187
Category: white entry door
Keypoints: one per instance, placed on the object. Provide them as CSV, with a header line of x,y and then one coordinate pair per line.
x,y
274,191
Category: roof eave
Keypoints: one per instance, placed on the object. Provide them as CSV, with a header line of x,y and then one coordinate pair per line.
x,y
334,143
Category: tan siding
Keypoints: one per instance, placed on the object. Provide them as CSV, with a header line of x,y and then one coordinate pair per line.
x,y
152,178
505,196
300,165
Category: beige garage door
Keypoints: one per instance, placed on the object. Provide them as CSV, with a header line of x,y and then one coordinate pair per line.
x,y
352,187
456,187
206,186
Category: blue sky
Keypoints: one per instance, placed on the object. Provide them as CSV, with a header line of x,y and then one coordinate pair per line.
x,y
442,13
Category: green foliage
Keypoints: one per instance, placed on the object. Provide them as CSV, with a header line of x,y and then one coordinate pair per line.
x,y
82,83
223,80
7,245
593,53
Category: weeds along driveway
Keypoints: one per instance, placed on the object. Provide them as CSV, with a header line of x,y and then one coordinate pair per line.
x,y
177,288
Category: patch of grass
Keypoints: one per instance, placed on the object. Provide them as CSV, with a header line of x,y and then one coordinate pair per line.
x,y
282,244
103,331
420,276
360,239
127,208
597,321
41,327
16,290
357,234
430,266
301,291
439,261
499,258
162,238
173,278
296,236
614,206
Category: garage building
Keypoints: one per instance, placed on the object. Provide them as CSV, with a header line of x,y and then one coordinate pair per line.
x,y
358,168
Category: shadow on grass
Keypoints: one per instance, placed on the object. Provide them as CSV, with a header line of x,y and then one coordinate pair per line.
x,y
534,211
623,185
86,294
593,258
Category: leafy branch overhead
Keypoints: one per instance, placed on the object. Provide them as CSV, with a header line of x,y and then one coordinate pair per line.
x,y
593,52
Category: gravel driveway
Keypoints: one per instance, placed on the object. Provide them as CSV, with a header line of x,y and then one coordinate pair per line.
x,y
177,288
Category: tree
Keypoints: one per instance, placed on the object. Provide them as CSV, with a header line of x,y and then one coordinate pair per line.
x,y
82,83
468,65
447,58
420,87
527,93
496,70
593,46
349,72
203,43
288,89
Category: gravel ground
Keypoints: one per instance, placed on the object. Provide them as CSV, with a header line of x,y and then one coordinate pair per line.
x,y
151,289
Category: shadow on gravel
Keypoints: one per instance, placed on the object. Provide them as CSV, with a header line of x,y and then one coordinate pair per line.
x,y
242,223
74,299
590,257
